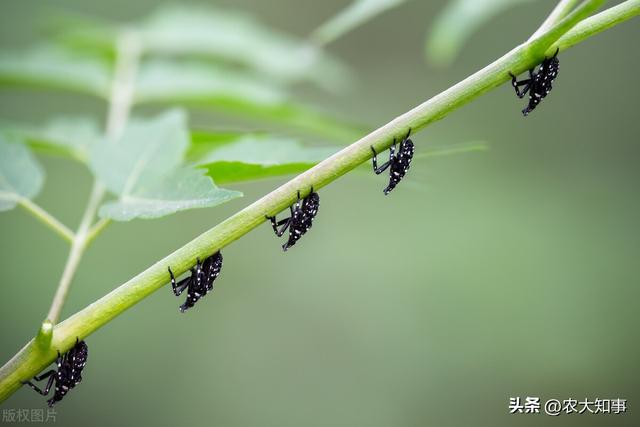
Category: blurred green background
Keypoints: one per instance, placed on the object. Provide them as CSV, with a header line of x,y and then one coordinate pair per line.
x,y
484,276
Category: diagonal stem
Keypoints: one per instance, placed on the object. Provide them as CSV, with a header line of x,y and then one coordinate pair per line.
x,y
561,10
78,246
598,23
559,28
31,359
47,219
97,229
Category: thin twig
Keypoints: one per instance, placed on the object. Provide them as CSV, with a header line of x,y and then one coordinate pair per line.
x,y
559,28
561,10
120,103
97,228
47,219
75,254
598,23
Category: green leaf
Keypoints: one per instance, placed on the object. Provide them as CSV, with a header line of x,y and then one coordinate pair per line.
x,y
182,189
21,176
143,167
296,116
160,80
354,15
252,157
64,136
457,22
55,68
222,35
239,38
84,32
204,142
211,87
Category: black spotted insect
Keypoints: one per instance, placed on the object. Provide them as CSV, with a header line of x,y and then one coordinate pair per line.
x,y
539,83
200,282
398,164
67,376
302,214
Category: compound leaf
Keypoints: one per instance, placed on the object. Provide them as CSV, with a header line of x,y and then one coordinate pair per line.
x,y
354,15
165,81
240,93
64,136
184,188
144,169
55,68
457,22
252,157
217,34
239,38
21,176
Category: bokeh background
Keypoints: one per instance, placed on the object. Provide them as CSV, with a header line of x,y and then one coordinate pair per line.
x,y
484,276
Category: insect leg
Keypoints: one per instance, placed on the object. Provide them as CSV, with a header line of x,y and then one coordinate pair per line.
x,y
292,241
283,221
525,89
275,224
383,167
45,375
392,152
44,392
526,83
179,287
297,205
60,360
287,223
191,298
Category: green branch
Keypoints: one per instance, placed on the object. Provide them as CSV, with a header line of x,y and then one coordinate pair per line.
x,y
34,357
97,228
120,102
558,29
598,23
561,10
47,219
78,245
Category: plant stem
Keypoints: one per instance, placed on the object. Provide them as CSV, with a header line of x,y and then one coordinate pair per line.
x,y
78,246
129,51
559,28
560,11
97,229
31,359
47,219
597,23
120,101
